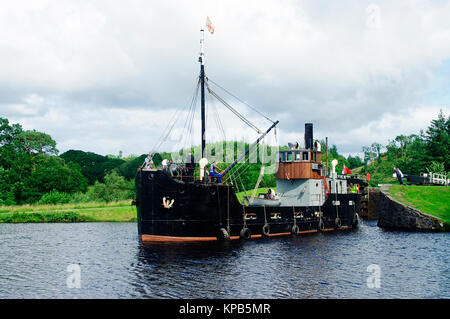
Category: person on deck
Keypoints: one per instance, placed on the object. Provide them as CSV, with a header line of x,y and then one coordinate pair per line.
x,y
190,161
399,174
148,162
269,194
213,172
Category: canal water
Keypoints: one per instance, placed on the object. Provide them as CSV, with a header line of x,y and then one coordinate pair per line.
x,y
106,260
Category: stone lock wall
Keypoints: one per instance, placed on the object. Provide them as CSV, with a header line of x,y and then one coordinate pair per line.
x,y
395,215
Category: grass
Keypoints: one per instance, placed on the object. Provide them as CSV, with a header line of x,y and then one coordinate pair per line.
x,y
67,213
433,200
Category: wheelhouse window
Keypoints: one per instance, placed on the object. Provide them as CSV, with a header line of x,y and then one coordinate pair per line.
x,y
297,156
305,156
289,157
282,156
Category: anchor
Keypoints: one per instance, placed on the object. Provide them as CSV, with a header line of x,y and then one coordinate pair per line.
x,y
168,203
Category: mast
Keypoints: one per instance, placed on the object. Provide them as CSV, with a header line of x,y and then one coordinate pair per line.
x,y
326,146
202,85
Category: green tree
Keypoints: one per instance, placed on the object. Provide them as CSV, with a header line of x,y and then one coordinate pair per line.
x,y
369,154
10,144
354,161
436,167
129,168
437,138
376,148
51,174
35,142
93,166
29,167
115,188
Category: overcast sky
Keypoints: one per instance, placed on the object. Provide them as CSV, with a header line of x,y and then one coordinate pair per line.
x,y
105,75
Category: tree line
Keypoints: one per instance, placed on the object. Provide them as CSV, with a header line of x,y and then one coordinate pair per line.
x,y
31,169
427,151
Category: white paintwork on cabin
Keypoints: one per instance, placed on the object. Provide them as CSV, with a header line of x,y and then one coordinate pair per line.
x,y
301,192
307,192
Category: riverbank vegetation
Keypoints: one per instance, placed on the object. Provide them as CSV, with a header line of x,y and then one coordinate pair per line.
x,y
32,172
121,211
426,151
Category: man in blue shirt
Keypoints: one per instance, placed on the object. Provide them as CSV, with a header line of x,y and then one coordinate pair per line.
x,y
213,172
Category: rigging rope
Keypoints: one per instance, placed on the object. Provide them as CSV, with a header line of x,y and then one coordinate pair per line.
x,y
168,129
188,125
254,109
261,172
218,122
228,106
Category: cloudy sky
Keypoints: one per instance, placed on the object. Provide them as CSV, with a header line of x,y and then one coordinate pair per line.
x,y
107,75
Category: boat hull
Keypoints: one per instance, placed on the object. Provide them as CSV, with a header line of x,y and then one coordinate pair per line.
x,y
174,211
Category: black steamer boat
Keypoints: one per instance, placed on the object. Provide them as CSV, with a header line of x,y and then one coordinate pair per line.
x,y
180,202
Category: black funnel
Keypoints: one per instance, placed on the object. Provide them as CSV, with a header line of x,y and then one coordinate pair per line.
x,y
308,136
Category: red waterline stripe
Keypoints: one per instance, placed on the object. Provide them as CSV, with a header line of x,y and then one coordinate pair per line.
x,y
158,238
153,238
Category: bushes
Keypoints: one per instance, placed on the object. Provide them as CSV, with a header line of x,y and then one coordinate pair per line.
x,y
60,217
7,199
81,198
114,189
55,197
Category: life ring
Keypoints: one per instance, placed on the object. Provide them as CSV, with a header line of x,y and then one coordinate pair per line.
x,y
245,233
181,189
338,222
223,235
321,225
295,229
266,230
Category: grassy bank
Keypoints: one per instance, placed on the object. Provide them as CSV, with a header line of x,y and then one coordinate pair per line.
x,y
433,200
68,213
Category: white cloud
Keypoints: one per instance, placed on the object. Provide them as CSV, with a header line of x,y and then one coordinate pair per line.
x,y
104,76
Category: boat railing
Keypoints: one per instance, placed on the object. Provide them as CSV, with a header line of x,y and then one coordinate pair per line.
x,y
352,176
435,178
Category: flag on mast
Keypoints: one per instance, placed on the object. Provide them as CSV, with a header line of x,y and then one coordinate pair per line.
x,y
346,170
209,25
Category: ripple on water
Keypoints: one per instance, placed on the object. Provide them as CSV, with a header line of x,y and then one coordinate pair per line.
x,y
34,260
